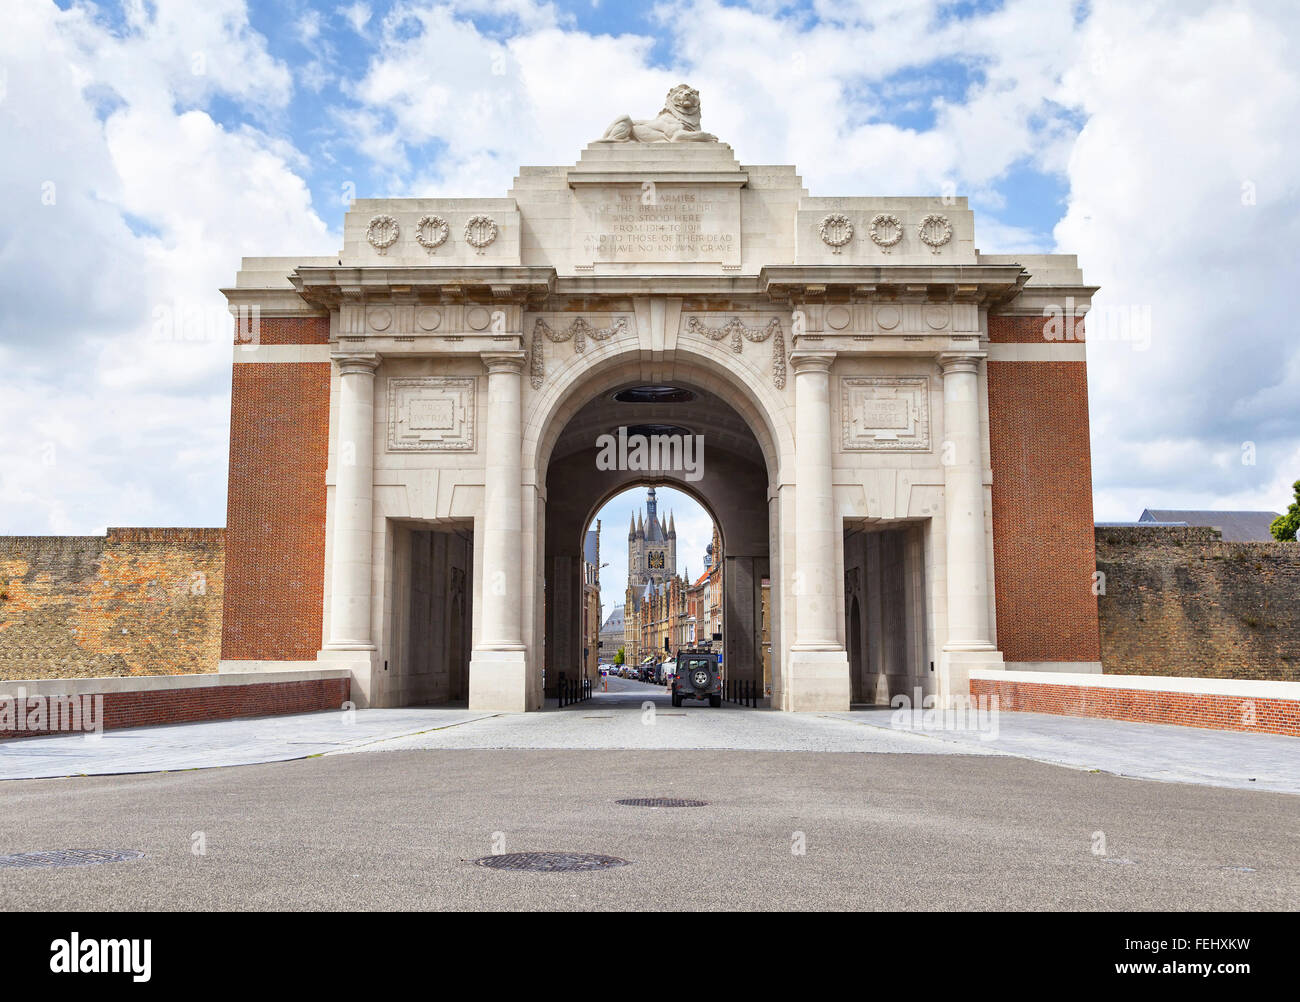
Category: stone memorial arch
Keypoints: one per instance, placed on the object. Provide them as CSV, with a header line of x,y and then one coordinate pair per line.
x,y
894,426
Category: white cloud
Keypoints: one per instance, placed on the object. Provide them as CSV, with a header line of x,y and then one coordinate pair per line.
x,y
1184,107
357,15
1155,116
106,421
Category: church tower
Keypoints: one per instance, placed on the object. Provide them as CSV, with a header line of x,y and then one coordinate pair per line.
x,y
651,548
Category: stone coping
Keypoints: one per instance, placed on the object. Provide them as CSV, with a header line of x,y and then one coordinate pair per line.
x,y
156,683
1250,688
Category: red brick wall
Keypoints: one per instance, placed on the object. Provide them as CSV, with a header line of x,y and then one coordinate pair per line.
x,y
220,702
1043,549
275,514
1228,713
285,330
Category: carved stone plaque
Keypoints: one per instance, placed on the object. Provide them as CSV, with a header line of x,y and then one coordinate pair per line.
x,y
885,413
431,414
670,223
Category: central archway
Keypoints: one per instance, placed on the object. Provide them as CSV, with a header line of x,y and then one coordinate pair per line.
x,y
735,483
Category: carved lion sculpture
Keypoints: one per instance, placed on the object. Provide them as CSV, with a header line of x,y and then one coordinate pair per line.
x,y
678,122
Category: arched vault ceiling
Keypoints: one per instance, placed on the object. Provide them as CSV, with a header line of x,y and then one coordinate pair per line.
x,y
708,414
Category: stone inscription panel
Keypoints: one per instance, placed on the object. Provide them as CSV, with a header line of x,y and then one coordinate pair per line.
x,y
885,414
430,414
655,223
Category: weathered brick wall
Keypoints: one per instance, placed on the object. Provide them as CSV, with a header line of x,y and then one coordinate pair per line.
x,y
134,602
176,706
1042,502
275,513
1179,601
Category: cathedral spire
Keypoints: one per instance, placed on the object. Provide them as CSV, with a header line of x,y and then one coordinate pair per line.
x,y
672,526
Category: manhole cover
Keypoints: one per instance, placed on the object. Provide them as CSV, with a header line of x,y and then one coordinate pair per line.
x,y
68,857
550,862
661,802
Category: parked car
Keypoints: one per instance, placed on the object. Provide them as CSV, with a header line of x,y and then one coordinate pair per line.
x,y
697,676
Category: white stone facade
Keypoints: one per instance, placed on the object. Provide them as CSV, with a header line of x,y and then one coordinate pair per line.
x,y
475,343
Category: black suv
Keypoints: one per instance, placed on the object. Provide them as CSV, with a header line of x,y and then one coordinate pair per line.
x,y
697,678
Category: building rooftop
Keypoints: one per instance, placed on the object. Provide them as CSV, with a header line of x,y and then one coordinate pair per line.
x,y
1236,526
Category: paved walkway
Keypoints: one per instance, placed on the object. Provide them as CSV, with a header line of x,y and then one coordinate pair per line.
x,y
640,718
175,747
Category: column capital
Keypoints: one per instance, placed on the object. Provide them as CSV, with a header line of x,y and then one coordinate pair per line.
x,y
961,361
802,360
362,363
504,361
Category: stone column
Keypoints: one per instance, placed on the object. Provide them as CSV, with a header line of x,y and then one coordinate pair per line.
x,y
819,664
497,673
968,644
350,567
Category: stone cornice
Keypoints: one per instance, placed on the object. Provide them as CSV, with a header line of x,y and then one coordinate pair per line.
x,y
986,284
478,284
1000,287
271,303
1041,300
726,178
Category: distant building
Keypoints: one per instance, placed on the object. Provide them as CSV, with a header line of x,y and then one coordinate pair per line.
x,y
1236,526
591,624
611,635
666,611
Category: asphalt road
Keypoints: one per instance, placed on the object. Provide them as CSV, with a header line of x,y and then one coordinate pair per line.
x,y
399,831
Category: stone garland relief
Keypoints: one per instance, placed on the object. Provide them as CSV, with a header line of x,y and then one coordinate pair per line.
x,y
431,413
739,333
578,332
886,231
480,231
885,413
934,231
431,232
835,230
382,233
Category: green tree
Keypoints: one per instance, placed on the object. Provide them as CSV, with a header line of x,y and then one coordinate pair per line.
x,y
618,658
1284,526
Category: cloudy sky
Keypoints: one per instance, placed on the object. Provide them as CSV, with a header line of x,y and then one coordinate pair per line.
x,y
148,146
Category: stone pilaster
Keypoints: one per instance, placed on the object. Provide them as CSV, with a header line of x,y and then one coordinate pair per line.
x,y
350,563
498,666
969,643
819,665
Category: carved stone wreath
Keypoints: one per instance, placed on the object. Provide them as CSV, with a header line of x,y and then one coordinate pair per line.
x,y
934,231
835,231
480,231
739,333
880,224
382,233
577,332
438,230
